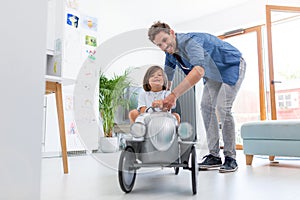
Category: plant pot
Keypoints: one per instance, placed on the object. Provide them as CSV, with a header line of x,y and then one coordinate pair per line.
x,y
109,144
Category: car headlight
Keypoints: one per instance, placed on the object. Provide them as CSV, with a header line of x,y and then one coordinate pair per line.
x,y
185,130
138,129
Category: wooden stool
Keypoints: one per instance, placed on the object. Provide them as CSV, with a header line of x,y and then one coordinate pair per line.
x,y
55,87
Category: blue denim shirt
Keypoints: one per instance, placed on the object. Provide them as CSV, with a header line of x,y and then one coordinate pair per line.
x,y
219,59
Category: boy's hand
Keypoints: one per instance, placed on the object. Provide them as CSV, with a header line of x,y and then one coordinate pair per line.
x,y
157,104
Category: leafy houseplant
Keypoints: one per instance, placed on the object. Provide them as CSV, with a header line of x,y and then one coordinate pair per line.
x,y
111,96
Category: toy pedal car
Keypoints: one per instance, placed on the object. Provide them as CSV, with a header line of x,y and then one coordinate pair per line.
x,y
158,141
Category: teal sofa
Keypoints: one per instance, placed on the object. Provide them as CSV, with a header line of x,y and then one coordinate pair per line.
x,y
272,138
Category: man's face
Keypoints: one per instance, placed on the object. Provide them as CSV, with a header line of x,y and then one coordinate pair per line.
x,y
166,42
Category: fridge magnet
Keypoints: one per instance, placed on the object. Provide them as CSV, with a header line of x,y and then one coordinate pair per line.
x,y
90,40
89,23
72,4
55,67
72,20
58,46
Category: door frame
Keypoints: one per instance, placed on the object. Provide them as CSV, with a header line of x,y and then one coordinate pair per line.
x,y
262,97
269,9
262,93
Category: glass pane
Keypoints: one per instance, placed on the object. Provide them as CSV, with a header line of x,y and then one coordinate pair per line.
x,y
246,106
286,43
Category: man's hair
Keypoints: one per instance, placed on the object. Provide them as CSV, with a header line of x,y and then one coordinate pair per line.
x,y
148,74
156,28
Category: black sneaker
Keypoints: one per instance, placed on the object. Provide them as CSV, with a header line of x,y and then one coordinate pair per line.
x,y
229,165
210,161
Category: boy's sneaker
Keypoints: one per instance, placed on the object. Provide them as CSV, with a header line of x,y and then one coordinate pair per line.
x,y
229,165
210,161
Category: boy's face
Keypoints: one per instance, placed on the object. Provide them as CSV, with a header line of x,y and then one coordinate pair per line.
x,y
156,81
165,41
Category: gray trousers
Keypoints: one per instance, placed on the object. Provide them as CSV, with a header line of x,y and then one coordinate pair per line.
x,y
210,101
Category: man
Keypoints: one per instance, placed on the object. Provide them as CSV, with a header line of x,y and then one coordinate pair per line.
x,y
201,55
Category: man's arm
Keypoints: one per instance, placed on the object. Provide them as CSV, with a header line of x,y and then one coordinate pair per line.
x,y
193,77
189,81
169,85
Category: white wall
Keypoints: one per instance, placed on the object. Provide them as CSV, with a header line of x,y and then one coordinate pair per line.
x,y
23,59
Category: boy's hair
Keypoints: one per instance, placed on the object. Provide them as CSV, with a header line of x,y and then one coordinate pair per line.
x,y
156,28
148,74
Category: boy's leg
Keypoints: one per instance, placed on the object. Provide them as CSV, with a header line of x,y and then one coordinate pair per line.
x,y
133,114
177,116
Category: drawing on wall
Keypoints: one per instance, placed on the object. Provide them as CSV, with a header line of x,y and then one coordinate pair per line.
x,y
72,20
88,103
72,128
72,4
89,23
68,102
91,40
91,54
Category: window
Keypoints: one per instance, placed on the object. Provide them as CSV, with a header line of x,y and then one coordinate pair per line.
x,y
287,100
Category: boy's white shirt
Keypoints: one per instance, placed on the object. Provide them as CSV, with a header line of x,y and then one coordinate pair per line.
x,y
146,98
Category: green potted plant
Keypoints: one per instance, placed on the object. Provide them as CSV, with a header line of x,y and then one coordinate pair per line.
x,y
111,97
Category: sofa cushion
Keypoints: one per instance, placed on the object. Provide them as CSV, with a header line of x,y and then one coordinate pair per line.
x,y
271,147
272,130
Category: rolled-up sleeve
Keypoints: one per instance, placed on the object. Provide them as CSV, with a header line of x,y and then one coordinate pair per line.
x,y
195,53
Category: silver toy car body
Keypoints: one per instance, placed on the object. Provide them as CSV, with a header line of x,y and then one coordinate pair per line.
x,y
158,140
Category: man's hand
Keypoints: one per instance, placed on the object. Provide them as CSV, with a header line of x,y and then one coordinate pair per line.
x,y
169,102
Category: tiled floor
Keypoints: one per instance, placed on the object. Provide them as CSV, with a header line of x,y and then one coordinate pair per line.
x,y
95,177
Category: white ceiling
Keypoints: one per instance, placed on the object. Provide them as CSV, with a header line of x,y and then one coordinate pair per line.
x,y
173,11
124,15
117,16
